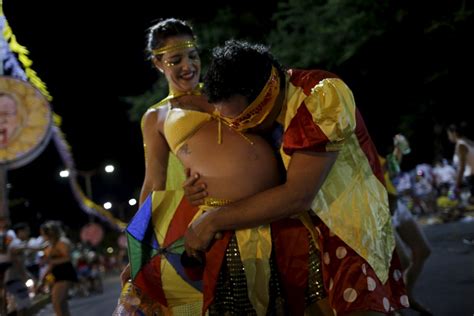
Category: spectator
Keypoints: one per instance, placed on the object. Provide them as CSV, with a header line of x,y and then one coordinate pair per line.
x,y
17,275
463,158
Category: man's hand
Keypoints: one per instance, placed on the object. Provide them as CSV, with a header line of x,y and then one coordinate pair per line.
x,y
199,235
193,191
125,275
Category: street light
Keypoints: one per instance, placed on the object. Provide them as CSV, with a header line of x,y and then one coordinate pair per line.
x,y
120,207
109,168
87,176
64,173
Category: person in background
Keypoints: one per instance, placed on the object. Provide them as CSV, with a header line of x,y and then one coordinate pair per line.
x,y
58,254
463,158
407,231
444,175
6,237
17,275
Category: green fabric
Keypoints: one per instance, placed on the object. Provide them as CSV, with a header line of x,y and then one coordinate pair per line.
x,y
139,254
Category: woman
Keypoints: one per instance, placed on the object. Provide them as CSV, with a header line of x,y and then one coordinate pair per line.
x,y
58,254
463,158
407,231
233,165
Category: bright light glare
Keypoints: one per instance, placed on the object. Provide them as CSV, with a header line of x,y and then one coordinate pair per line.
x,y
109,168
132,202
29,283
64,173
110,250
107,205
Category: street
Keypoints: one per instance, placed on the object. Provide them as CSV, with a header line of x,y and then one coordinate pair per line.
x,y
94,305
446,285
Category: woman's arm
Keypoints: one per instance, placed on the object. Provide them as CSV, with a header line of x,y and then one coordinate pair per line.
x,y
156,152
462,153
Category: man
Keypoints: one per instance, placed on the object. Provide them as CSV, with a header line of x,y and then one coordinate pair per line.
x,y
18,274
332,170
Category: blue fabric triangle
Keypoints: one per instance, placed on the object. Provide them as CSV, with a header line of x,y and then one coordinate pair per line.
x,y
175,260
141,225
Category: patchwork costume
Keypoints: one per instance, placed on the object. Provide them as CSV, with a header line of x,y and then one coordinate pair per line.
x,y
349,217
238,275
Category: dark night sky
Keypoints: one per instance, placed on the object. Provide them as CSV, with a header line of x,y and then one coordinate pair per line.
x,y
90,55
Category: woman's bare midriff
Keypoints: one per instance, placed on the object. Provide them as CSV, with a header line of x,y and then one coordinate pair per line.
x,y
234,169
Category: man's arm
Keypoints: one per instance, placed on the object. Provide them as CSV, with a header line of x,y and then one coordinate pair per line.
x,y
306,174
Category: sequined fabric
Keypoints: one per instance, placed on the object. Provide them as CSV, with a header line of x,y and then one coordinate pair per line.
x,y
315,290
231,296
231,292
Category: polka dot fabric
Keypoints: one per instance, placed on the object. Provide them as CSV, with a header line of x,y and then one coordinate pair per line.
x,y
351,283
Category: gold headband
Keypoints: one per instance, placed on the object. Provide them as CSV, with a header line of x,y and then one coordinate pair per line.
x,y
174,47
258,110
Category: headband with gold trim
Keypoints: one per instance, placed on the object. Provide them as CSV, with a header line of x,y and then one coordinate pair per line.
x,y
174,47
258,110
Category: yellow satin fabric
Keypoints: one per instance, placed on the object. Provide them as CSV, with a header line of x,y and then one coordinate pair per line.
x,y
183,299
181,124
255,246
352,202
179,294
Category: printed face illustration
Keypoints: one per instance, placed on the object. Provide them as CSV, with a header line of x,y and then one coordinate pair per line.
x,y
9,119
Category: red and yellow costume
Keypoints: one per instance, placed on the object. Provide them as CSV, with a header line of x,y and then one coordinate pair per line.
x,y
349,215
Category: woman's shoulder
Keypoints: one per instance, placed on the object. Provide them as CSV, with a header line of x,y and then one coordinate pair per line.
x,y
154,116
64,241
198,103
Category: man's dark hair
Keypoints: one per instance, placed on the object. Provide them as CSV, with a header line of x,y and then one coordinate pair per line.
x,y
20,226
462,128
238,68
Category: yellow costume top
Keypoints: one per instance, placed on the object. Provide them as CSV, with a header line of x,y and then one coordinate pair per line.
x,y
254,244
181,124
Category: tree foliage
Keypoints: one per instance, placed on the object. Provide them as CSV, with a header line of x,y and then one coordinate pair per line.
x,y
325,32
402,60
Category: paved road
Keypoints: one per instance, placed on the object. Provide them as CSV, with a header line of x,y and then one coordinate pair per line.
x,y
446,284
94,305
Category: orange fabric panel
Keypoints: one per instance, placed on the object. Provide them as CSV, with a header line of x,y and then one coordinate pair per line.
x,y
149,281
182,217
307,79
304,134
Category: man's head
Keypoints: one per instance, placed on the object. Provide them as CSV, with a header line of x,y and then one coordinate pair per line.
x,y
22,230
239,71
